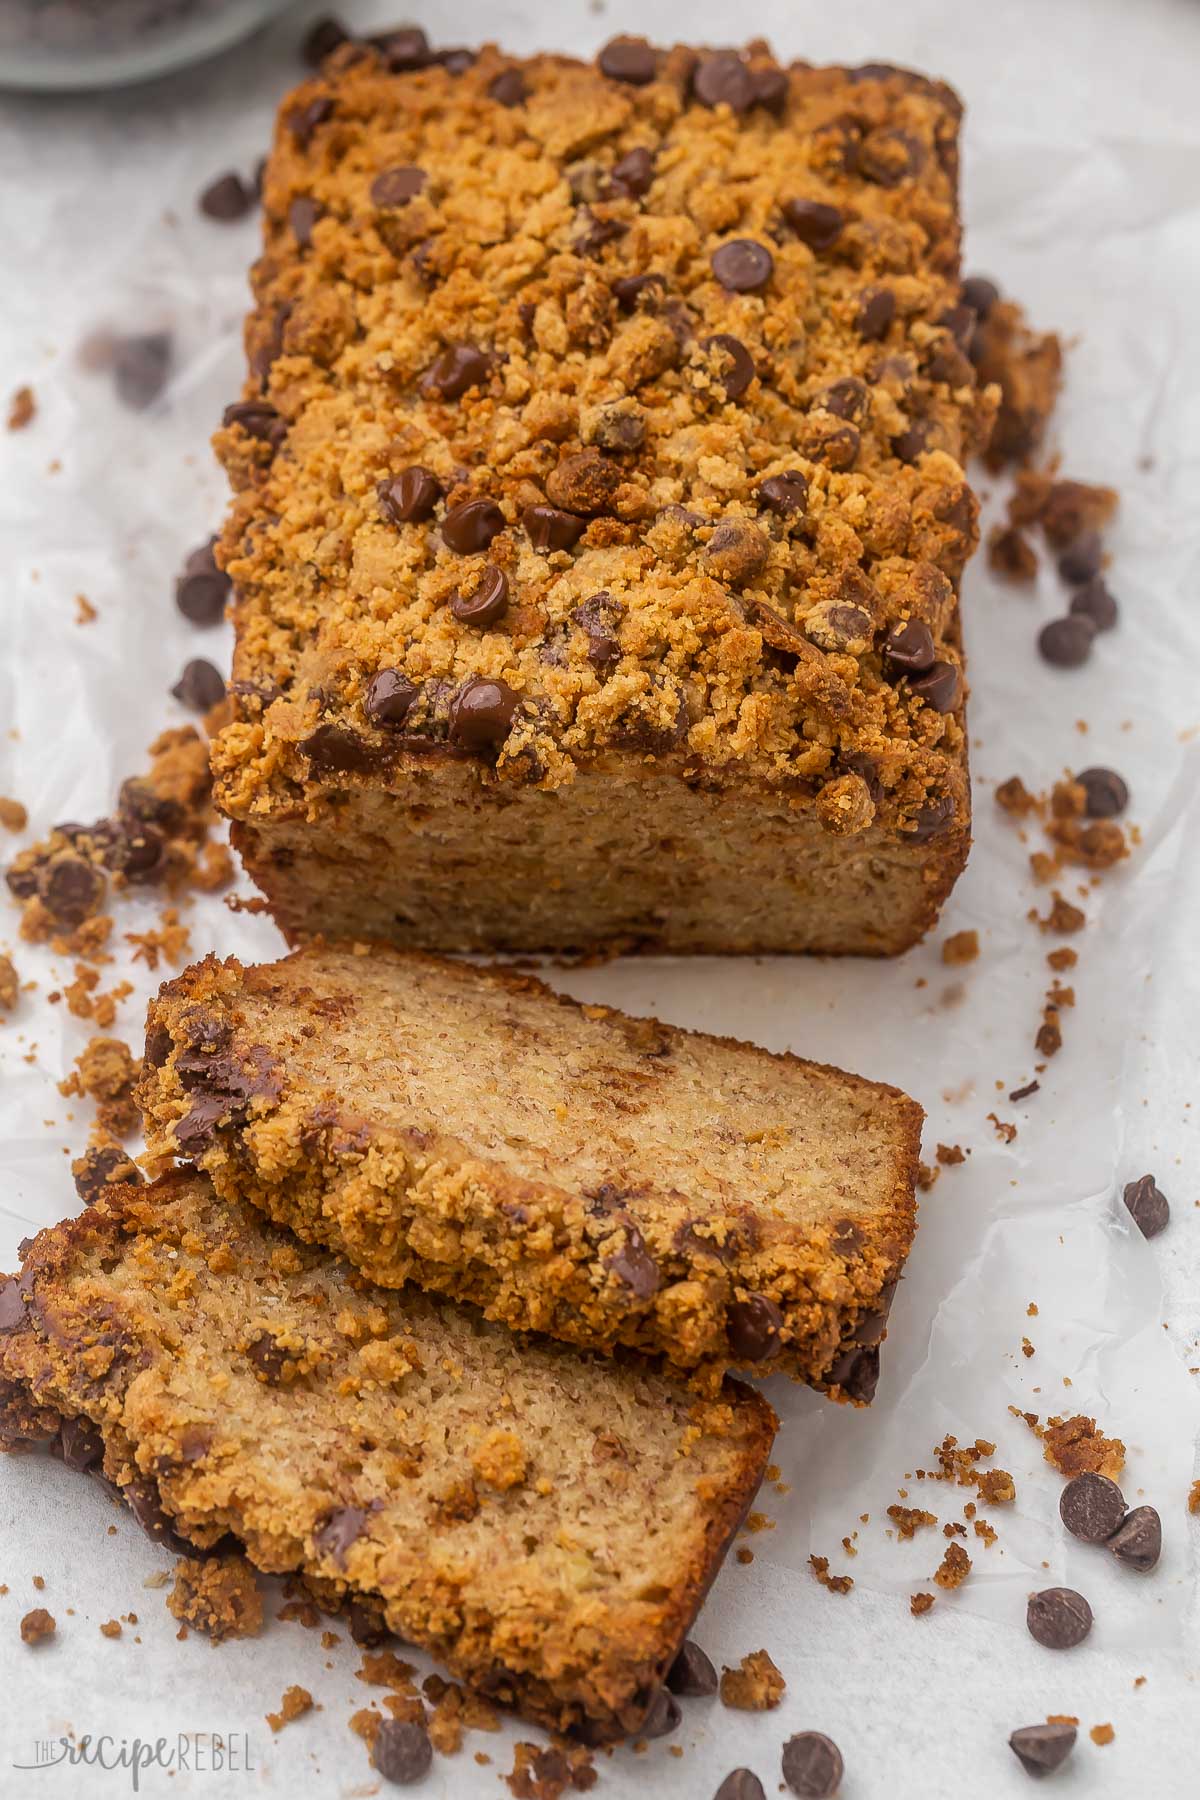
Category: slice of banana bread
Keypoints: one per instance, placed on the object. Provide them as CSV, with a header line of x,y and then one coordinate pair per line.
x,y
603,1179
599,505
544,1522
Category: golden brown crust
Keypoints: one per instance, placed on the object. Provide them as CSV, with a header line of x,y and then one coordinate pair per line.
x,y
560,1165
464,318
337,1451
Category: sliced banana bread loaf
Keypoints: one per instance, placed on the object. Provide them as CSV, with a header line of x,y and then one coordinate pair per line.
x,y
603,1179
546,1523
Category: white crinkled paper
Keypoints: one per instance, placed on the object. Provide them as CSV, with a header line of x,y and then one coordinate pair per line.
x,y
1082,193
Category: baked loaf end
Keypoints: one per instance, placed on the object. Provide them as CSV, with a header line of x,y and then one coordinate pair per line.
x,y
545,1523
599,506
604,1179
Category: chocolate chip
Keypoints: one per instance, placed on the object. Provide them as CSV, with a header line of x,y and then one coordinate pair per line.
x,y
737,552
320,40
342,1528
812,1765
743,266
724,80
409,497
549,528
741,1784
267,1356
98,1166
753,1326
1138,1540
599,617
1066,643
1096,604
509,89
634,1265
908,649
303,121
488,603
402,1751
848,398
367,1627
457,368
662,1715
1023,1093
814,223
770,89
856,1372
481,713
940,686
979,294
785,494
389,699
913,442
596,232
634,173
471,526
227,198
145,1503
1107,794
197,1130
202,590
80,1446
200,686
332,750
405,49
628,59
628,289
12,1307
303,213
692,1674
396,187
1091,1507
933,819
1148,1206
1040,1749
140,366
1083,559
876,310
739,371
71,889
258,419
455,62
1058,1618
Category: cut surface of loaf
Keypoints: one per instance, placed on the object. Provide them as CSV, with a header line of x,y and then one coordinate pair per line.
x,y
545,1522
603,1179
599,505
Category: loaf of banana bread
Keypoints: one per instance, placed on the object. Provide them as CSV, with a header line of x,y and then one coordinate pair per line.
x,y
544,1522
603,1179
599,505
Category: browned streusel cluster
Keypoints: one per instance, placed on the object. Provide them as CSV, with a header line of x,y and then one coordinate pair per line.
x,y
606,407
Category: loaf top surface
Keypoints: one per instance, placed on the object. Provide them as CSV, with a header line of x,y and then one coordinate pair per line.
x,y
517,1506
680,334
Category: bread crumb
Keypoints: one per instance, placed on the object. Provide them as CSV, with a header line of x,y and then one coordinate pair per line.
x,y
1102,1734
1193,1499
169,938
919,1604
13,815
1075,1447
1063,917
927,1176
908,1520
111,1628
85,612
954,1568
10,985
1005,1131
37,1626
218,1595
295,1703
105,1071
744,1555
22,408
834,1584
949,1155
1012,796
500,1460
1062,958
546,1772
754,1686
1011,555
962,948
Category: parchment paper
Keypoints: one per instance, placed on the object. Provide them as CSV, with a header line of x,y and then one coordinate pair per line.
x,y
1082,186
